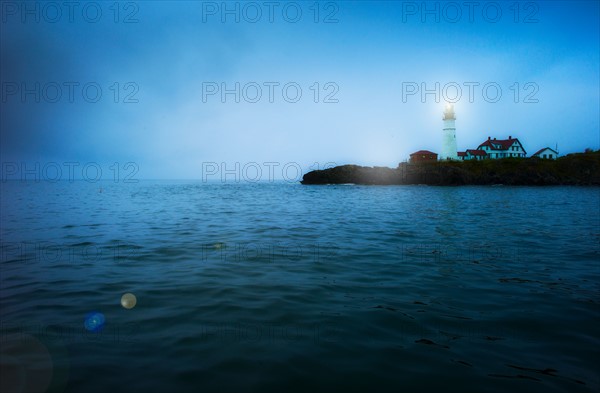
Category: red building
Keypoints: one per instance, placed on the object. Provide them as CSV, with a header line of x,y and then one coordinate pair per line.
x,y
423,156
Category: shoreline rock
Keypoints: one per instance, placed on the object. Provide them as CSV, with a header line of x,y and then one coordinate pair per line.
x,y
581,169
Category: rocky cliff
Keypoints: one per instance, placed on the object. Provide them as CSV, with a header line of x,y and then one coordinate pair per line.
x,y
573,169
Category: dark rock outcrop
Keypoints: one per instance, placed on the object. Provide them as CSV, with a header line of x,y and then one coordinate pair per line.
x,y
573,169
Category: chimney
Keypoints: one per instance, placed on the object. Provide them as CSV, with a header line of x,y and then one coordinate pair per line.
x,y
494,138
509,137
489,138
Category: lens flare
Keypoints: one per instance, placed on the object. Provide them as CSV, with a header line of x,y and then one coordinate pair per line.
x,y
128,301
94,321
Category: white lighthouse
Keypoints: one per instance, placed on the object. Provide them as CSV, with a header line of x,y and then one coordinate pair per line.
x,y
449,135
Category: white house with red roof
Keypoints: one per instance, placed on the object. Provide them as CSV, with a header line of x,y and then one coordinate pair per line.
x,y
495,149
503,148
472,154
546,153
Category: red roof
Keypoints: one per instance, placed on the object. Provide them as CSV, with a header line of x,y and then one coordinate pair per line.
x,y
462,153
476,152
504,143
423,152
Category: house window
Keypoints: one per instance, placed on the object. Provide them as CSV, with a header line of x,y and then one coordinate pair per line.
x,y
544,156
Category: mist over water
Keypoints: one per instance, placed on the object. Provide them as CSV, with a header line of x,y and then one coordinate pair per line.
x,y
283,287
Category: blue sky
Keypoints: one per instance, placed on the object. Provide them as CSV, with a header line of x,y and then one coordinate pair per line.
x,y
548,52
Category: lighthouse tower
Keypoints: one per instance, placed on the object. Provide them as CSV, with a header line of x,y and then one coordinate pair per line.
x,y
449,135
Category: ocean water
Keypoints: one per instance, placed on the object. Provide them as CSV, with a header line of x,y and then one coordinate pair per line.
x,y
283,287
